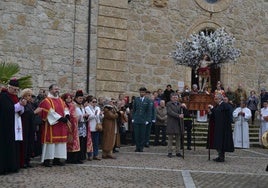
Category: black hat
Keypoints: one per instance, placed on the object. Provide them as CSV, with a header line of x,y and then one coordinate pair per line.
x,y
79,93
14,82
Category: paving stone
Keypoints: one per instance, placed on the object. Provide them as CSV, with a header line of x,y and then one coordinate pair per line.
x,y
151,168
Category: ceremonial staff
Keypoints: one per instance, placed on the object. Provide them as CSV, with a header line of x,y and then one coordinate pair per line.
x,y
209,112
182,131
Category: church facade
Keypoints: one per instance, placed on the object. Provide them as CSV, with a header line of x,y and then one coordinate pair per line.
x,y
107,47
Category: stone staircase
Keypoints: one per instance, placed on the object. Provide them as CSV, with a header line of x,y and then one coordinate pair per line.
x,y
200,134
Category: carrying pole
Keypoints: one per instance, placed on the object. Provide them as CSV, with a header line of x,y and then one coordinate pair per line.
x,y
242,135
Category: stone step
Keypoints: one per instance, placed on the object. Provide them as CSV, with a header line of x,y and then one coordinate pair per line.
x,y
199,134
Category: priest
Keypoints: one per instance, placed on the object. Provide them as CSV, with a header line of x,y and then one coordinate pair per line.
x,y
241,129
10,127
56,115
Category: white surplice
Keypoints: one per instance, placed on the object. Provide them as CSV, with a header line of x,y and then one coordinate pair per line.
x,y
264,124
19,109
241,129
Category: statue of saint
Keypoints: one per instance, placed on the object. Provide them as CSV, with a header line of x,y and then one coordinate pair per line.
x,y
204,71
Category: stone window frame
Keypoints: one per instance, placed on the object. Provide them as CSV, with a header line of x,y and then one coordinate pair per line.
x,y
214,7
201,25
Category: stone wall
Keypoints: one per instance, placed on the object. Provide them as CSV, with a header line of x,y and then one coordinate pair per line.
x,y
111,54
48,39
129,42
153,31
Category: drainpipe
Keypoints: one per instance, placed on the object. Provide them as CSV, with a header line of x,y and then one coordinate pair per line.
x,y
88,46
73,58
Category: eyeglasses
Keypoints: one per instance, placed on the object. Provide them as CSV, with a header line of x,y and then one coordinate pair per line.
x,y
94,101
15,88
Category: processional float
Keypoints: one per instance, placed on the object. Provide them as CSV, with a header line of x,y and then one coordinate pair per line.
x,y
219,46
195,102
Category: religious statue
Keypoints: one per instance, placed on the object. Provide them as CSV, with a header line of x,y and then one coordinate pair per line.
x,y
203,71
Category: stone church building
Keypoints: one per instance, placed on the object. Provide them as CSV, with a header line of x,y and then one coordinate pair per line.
x,y
106,47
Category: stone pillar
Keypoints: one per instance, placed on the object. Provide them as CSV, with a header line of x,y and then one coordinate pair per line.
x,y
111,76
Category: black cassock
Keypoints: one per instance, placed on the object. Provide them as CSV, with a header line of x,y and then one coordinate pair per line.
x,y
221,128
29,128
9,148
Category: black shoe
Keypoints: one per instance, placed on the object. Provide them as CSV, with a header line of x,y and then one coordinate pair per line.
x,y
164,143
218,159
27,165
58,162
178,155
79,162
68,161
47,163
169,155
146,145
189,148
115,151
267,168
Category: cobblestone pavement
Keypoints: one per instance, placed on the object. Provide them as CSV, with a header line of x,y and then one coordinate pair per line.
x,y
152,168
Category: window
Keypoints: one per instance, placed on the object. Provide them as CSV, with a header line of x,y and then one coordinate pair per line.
x,y
211,1
213,5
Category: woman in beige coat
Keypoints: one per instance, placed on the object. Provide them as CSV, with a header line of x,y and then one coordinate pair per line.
x,y
109,125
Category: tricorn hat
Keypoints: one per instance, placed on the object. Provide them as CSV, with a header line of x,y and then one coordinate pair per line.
x,y
264,139
14,82
79,93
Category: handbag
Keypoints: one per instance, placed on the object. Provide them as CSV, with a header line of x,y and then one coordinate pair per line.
x,y
99,127
98,124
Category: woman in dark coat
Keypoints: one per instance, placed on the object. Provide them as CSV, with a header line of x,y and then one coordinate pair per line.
x,y
28,128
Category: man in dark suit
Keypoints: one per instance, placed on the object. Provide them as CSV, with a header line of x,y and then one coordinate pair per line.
x,y
223,139
141,118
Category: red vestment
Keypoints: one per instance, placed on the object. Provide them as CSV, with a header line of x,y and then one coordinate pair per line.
x,y
53,133
73,143
89,139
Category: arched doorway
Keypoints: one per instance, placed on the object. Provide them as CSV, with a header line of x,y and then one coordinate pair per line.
x,y
215,72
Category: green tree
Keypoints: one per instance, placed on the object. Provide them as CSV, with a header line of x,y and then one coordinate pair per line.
x,y
9,70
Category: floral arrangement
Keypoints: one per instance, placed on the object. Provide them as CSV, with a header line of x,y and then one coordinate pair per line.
x,y
219,46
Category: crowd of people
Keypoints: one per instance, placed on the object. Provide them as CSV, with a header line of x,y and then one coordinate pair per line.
x,y
72,127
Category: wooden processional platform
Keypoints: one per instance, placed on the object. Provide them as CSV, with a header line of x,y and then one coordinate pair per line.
x,y
198,101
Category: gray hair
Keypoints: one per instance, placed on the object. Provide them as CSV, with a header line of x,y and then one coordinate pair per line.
x,y
219,96
194,86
